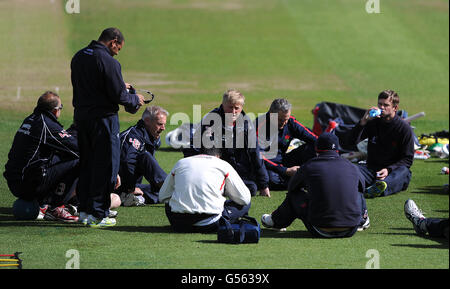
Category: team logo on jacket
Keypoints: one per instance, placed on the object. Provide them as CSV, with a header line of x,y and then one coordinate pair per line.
x,y
64,134
287,138
135,142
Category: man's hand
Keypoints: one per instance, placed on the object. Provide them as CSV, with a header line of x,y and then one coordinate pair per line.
x,y
367,117
117,182
131,88
138,192
382,174
141,99
292,171
264,192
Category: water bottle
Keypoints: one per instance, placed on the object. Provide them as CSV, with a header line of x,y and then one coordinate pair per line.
x,y
375,112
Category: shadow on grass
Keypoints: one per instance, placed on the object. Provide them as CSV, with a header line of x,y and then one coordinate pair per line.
x,y
440,211
143,229
423,246
443,242
268,233
6,214
437,190
265,233
169,149
437,160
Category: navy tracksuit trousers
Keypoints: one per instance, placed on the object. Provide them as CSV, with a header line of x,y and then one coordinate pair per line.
x,y
296,206
54,188
147,166
437,227
397,180
98,141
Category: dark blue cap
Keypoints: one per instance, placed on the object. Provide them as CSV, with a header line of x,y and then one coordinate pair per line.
x,y
327,142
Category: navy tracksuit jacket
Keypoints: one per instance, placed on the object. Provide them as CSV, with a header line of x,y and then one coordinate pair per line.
x,y
137,160
42,155
98,86
277,166
325,193
245,160
98,90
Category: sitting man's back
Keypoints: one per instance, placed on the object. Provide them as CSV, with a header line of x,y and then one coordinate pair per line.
x,y
325,195
195,191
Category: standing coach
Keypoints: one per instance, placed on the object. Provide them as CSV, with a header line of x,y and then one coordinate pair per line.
x,y
98,89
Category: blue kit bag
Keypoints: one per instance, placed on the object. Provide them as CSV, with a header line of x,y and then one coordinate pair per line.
x,y
246,230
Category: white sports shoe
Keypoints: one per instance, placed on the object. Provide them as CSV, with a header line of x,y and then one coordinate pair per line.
x,y
267,222
113,214
365,225
415,215
42,211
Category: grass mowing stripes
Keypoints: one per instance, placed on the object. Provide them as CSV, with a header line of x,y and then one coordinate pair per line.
x,y
190,51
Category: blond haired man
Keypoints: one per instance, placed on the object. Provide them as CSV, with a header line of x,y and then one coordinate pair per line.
x,y
227,127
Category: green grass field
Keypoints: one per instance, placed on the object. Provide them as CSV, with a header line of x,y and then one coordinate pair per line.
x,y
189,52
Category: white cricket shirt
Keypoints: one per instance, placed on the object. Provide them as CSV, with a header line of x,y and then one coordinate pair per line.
x,y
199,184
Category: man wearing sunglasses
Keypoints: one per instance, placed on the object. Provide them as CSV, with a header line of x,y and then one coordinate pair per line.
x,y
43,161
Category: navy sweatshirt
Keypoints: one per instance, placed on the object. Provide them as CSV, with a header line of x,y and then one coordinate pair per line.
x,y
98,86
391,144
245,160
333,184
38,138
134,142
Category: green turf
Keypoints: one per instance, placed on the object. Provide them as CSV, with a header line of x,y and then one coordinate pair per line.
x,y
189,52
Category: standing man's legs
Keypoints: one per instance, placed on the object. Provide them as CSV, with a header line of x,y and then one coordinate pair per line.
x,y
99,164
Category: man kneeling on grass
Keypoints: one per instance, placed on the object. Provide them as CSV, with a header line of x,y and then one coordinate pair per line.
x,y
43,162
194,193
324,194
138,145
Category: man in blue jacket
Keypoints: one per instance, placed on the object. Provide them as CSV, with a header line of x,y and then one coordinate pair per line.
x,y
228,128
325,194
137,158
281,165
98,90
43,160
